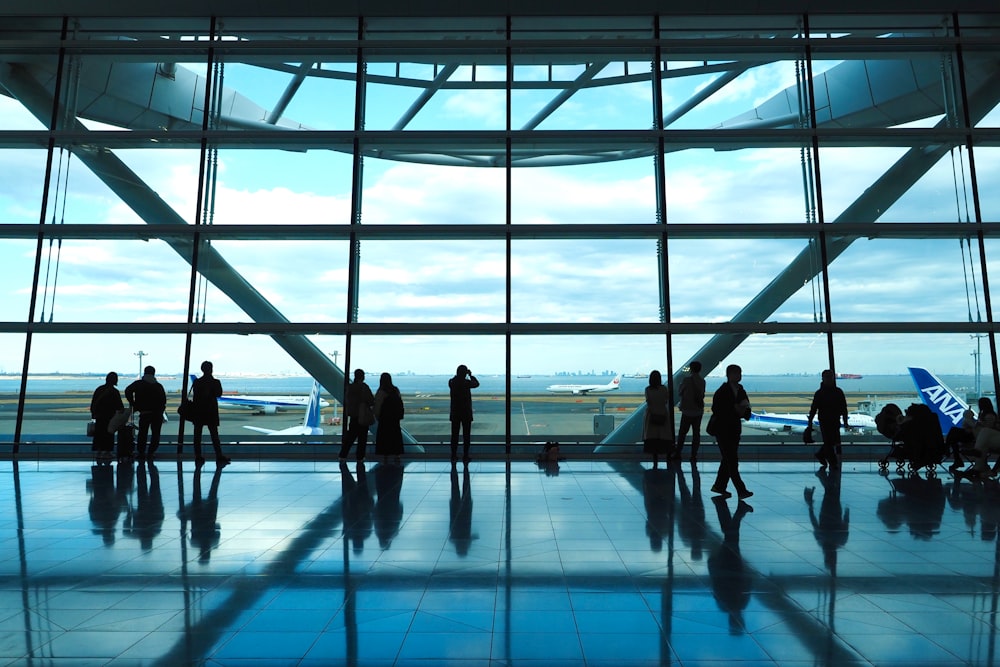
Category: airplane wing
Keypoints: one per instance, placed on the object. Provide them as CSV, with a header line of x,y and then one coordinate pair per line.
x,y
266,431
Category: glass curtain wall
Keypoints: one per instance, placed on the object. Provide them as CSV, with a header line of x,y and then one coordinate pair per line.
x,y
561,204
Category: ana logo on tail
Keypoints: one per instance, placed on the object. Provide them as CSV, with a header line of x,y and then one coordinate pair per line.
x,y
939,397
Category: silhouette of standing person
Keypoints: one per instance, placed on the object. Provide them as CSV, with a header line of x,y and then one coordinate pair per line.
x,y
389,413
359,406
831,405
460,512
656,429
205,393
692,391
388,508
730,577
147,397
460,414
203,514
730,406
104,404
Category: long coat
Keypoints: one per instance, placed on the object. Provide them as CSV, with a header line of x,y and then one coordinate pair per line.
x,y
205,392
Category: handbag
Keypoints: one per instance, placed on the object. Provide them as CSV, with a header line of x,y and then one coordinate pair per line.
x,y
185,410
710,427
366,415
119,420
91,428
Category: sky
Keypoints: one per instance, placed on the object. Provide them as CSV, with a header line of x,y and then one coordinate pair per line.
x,y
462,281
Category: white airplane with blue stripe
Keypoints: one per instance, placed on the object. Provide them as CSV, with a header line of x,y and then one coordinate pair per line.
x,y
797,423
309,426
264,405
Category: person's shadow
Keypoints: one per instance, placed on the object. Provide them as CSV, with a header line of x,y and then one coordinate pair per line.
x,y
460,510
146,520
388,508
831,527
658,497
357,504
731,579
202,514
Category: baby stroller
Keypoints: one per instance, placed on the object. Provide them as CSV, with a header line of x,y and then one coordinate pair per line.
x,y
917,441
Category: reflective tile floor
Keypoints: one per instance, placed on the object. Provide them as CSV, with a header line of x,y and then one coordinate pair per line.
x,y
293,563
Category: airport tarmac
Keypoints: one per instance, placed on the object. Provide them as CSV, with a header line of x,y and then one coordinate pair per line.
x,y
56,422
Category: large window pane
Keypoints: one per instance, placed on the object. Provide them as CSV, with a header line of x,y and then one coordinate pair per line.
x,y
268,185
713,280
754,185
927,183
18,259
585,280
115,280
65,369
565,386
398,193
432,281
609,192
22,185
301,281
420,367
904,280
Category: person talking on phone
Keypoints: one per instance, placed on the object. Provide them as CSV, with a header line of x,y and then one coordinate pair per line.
x,y
461,387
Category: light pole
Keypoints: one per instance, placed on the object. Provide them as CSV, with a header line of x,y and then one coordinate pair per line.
x,y
140,354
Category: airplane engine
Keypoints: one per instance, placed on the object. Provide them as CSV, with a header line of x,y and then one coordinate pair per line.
x,y
269,409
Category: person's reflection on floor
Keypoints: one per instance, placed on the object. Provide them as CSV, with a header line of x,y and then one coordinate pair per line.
x,y
965,498
460,511
831,528
146,520
729,574
915,501
202,514
105,504
388,508
989,513
658,497
356,503
691,522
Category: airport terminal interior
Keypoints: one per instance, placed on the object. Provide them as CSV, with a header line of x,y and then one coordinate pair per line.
x,y
561,196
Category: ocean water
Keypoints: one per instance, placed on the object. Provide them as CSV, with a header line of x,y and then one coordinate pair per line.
x,y
496,384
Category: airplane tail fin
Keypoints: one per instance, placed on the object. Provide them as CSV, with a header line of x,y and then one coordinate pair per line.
x,y
312,409
616,381
939,397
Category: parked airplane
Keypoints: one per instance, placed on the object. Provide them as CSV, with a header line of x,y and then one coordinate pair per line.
x,y
265,405
797,423
310,425
583,389
936,395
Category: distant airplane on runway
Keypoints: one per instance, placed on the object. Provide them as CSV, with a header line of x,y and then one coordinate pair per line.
x,y
797,423
266,405
583,389
310,425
